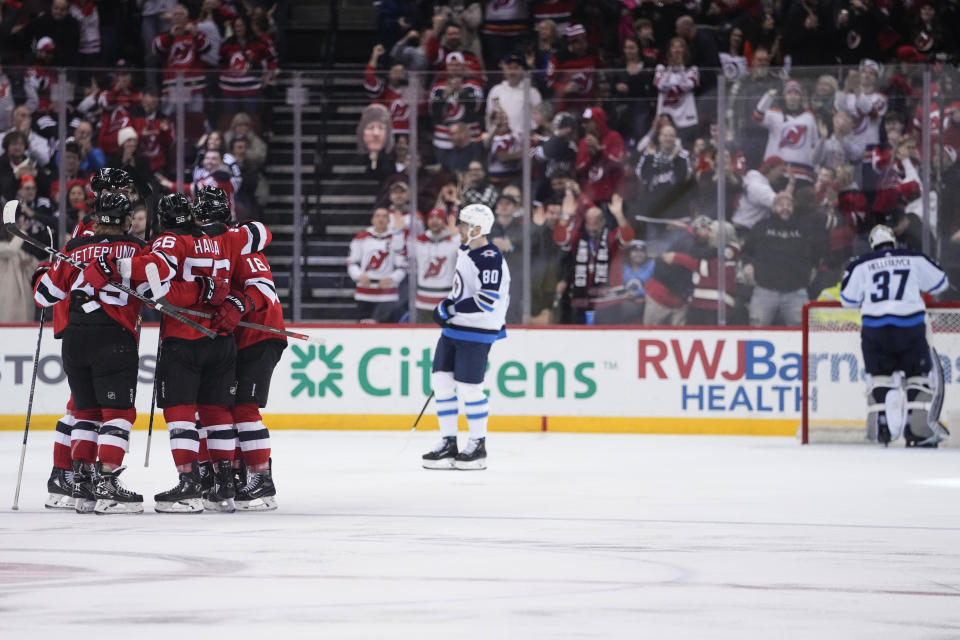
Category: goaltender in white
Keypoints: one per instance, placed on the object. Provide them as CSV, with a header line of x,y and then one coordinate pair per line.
x,y
472,317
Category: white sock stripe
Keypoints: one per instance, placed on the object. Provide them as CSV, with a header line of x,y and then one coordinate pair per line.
x,y
84,434
114,441
255,445
61,438
184,444
181,424
250,426
217,427
222,445
119,422
68,420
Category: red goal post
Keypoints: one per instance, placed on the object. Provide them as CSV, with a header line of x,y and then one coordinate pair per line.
x,y
833,390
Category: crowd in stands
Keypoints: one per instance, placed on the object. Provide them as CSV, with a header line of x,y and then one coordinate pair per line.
x,y
123,62
824,140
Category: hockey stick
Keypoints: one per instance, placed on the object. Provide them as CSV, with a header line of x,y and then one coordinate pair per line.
x,y
671,221
33,386
10,224
153,398
417,421
153,277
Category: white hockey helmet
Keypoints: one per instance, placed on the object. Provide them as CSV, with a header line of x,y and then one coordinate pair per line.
x,y
880,235
476,215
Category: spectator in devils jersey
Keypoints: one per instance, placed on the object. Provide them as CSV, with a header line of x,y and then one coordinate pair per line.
x,y
454,99
180,50
704,301
600,157
676,83
449,39
393,93
377,264
668,291
571,75
154,128
248,63
115,104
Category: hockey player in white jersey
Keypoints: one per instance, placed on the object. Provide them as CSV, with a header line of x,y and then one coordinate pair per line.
x,y
888,284
472,317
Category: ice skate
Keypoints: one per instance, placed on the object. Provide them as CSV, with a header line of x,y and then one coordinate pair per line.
x,y
259,493
83,482
60,490
183,498
112,496
220,498
442,455
206,477
473,457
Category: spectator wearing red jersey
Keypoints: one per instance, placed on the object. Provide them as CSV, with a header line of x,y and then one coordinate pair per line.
x,y
248,63
447,39
705,272
115,104
154,128
392,93
571,72
39,79
180,49
600,157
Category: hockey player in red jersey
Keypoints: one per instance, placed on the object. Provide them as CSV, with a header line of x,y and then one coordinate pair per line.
x,y
196,375
69,434
258,353
99,355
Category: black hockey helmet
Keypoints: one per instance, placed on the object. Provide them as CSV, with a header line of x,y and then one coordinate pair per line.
x,y
174,211
112,209
212,205
108,179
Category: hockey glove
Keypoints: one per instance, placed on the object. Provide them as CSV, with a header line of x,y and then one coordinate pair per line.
x,y
42,268
213,291
101,271
444,311
229,314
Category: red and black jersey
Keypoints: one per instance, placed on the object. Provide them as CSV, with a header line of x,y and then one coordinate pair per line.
x,y
182,53
115,115
61,311
182,257
565,69
84,227
252,275
242,65
381,93
156,136
57,284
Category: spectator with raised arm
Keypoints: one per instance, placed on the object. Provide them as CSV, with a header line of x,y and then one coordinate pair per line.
x,y
572,72
600,157
676,83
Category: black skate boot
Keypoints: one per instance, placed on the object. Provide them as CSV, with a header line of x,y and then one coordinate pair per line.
x,y
473,456
60,490
83,481
442,455
221,496
883,433
206,477
259,493
113,497
239,474
183,498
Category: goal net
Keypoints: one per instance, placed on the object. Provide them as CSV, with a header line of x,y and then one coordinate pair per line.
x,y
834,390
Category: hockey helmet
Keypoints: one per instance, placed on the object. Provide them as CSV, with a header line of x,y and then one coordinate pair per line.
x,y
881,235
212,205
476,215
175,211
112,209
108,179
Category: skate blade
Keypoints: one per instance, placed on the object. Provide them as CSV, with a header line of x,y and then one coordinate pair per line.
x,y
266,503
470,465
223,506
441,464
105,507
190,505
60,501
84,506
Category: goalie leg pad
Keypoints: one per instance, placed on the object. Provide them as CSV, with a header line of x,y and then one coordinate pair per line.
x,y
923,427
886,408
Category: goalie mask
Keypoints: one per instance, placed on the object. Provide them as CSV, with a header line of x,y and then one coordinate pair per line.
x,y
212,205
175,211
882,235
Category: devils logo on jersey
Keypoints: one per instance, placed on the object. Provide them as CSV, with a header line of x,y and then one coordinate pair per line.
x,y
400,110
435,267
453,111
181,54
376,260
238,63
793,136
596,173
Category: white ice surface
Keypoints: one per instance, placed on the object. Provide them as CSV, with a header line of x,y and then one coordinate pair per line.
x,y
565,536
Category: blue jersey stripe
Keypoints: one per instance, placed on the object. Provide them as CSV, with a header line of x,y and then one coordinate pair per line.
x,y
893,321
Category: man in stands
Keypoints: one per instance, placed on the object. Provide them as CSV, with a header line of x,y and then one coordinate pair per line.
x,y
377,263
